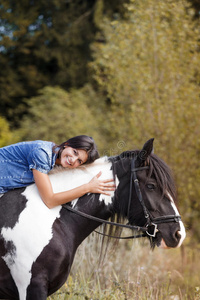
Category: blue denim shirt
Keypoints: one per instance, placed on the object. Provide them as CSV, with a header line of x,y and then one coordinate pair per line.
x,y
18,160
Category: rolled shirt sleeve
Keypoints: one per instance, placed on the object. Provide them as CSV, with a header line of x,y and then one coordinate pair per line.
x,y
39,160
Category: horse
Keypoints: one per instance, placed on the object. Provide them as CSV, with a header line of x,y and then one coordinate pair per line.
x,y
38,244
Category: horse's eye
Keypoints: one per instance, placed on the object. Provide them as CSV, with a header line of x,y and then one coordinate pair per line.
x,y
151,186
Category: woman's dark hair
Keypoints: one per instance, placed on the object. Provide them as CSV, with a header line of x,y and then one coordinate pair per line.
x,y
82,142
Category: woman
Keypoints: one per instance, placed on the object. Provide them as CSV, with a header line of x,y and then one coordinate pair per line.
x,y
23,163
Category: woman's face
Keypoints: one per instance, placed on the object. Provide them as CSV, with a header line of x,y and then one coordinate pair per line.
x,y
72,158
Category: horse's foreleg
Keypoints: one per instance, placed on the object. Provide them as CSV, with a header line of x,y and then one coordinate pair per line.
x,y
37,290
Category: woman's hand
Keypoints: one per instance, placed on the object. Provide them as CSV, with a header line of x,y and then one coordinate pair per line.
x,y
101,186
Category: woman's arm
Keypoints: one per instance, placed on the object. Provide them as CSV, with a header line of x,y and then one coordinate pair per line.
x,y
52,199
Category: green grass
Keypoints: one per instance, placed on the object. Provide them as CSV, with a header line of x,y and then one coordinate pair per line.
x,y
133,271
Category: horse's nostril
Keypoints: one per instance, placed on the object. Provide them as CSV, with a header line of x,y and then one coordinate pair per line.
x,y
178,235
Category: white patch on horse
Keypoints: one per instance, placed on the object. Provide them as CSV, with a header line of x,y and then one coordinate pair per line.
x,y
107,173
182,231
33,231
108,199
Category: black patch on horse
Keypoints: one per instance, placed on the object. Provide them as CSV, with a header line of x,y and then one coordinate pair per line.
x,y
12,204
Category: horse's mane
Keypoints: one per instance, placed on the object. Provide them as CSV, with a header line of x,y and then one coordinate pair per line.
x,y
163,175
157,168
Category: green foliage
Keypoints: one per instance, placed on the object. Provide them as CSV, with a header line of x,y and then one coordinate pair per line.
x,y
149,70
45,43
57,115
5,134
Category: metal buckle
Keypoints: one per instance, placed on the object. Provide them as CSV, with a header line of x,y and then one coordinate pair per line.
x,y
153,229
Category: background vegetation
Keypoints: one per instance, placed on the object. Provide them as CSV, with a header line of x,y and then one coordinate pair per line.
x,y
133,272
121,71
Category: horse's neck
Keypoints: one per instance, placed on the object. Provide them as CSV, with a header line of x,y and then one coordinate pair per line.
x,y
67,179
101,206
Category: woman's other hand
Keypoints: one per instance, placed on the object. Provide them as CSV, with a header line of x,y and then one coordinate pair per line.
x,y
101,186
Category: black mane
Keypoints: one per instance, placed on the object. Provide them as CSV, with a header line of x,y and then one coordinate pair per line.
x,y
157,168
162,174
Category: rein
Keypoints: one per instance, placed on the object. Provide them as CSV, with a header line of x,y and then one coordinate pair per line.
x,y
132,227
150,228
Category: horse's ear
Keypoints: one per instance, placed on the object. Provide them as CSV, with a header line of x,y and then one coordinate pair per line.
x,y
144,153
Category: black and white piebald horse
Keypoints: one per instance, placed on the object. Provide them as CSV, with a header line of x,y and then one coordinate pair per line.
x,y
37,244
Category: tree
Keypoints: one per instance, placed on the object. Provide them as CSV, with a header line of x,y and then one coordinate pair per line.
x,y
45,43
149,69
57,115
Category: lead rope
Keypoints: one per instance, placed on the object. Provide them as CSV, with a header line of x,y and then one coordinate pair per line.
x,y
80,213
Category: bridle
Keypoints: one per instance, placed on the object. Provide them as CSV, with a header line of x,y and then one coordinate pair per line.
x,y
151,224
150,227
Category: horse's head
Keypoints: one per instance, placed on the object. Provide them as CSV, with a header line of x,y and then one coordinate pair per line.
x,y
153,197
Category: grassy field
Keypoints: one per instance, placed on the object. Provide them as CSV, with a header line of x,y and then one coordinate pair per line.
x,y
133,271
